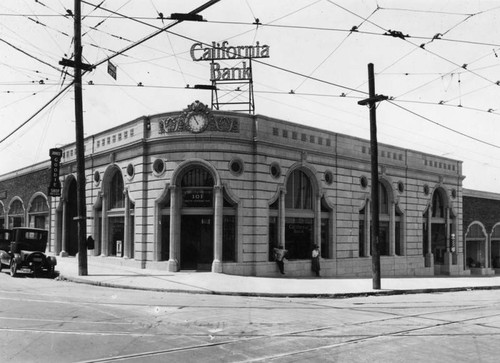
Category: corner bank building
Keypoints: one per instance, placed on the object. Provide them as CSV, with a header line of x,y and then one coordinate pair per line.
x,y
208,190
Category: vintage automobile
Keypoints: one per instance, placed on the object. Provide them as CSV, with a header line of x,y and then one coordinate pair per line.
x,y
26,252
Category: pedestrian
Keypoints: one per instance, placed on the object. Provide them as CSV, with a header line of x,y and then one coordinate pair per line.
x,y
279,255
315,260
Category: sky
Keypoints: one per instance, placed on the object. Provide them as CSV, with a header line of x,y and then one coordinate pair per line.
x,y
437,61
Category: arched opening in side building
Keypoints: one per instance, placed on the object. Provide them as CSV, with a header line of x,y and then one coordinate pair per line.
x,y
495,248
16,214
475,247
38,212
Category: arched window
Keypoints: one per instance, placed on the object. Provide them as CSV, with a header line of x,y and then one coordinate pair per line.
x,y
384,218
197,177
437,205
16,214
362,250
197,188
299,191
383,198
116,196
39,213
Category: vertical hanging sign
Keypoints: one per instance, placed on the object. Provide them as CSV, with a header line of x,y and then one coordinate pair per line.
x,y
55,161
112,70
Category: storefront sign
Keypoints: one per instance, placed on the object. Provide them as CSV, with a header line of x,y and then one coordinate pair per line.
x,y
55,183
224,51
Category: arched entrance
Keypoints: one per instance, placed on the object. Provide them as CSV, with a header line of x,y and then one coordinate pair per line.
x,y
439,233
114,217
197,219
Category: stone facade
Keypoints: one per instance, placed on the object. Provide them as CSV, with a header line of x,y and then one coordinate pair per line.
x,y
163,194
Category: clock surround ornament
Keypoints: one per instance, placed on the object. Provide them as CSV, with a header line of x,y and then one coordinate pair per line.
x,y
198,118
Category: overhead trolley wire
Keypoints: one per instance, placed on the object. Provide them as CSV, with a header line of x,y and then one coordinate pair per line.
x,y
200,8
443,126
30,55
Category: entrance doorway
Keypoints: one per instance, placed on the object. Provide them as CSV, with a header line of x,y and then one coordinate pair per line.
x,y
116,236
197,243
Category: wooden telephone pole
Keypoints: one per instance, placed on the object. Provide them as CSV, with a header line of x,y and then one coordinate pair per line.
x,y
80,150
77,64
371,101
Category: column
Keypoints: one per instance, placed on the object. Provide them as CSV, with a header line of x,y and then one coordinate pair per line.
x,y
64,238
126,226
447,254
429,257
317,220
392,229
104,226
173,263
281,214
218,198
368,235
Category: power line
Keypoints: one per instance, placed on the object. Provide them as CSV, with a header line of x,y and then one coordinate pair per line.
x,y
30,55
443,126
38,111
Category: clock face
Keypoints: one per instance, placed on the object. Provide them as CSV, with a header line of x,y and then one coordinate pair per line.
x,y
197,122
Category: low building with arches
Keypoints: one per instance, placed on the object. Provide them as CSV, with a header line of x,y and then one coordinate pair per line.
x,y
481,232
208,190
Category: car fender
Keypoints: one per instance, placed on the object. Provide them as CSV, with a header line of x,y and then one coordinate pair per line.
x,y
4,256
51,260
17,259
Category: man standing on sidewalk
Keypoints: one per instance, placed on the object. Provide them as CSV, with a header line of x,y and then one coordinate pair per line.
x,y
279,255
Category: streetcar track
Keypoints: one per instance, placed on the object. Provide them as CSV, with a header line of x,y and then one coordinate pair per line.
x,y
355,339
227,339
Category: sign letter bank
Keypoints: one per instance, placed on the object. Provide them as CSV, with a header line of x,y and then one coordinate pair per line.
x,y
224,51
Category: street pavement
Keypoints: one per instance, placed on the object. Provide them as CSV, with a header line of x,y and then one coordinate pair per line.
x,y
103,273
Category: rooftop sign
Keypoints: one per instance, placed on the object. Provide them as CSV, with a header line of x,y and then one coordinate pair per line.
x,y
224,51
219,51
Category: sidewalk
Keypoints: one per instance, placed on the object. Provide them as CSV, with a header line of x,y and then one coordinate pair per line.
x,y
110,275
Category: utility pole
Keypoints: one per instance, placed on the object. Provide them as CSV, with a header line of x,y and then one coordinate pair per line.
x,y
81,218
371,101
80,152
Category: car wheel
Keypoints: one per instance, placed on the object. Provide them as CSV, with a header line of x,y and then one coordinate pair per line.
x,y
0,267
13,268
51,271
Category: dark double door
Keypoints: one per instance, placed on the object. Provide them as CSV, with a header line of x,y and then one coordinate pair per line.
x,y
197,244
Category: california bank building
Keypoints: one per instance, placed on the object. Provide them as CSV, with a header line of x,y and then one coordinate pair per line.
x,y
207,190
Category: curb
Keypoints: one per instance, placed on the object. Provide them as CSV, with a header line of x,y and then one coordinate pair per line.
x,y
344,295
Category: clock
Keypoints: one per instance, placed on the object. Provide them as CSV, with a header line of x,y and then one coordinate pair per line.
x,y
197,121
